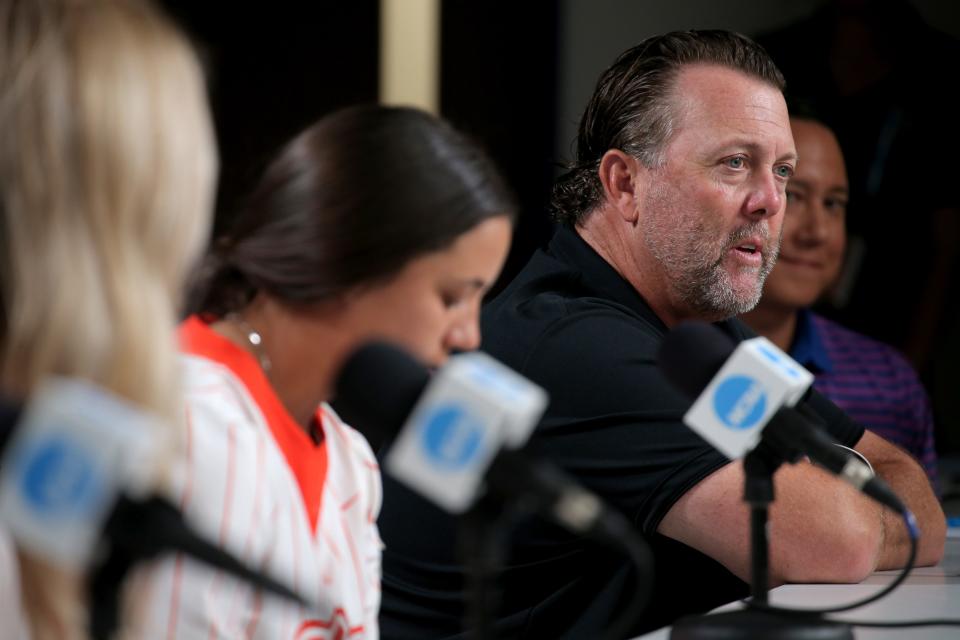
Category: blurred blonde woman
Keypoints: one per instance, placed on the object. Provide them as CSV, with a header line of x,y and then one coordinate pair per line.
x,y
107,167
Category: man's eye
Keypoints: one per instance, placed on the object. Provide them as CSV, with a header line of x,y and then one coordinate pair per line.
x,y
735,162
836,205
784,171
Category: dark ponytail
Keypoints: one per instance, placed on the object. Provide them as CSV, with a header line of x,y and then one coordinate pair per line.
x,y
350,201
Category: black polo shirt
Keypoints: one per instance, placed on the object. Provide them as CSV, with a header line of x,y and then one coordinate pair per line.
x,y
570,323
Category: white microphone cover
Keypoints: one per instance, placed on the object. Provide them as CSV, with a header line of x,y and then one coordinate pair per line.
x,y
753,383
471,407
76,448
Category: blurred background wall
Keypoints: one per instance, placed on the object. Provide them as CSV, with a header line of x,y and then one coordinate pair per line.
x,y
516,75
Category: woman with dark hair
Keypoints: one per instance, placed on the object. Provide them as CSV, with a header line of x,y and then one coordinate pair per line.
x,y
373,223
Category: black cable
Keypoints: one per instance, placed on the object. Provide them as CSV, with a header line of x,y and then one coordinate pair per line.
x,y
558,498
891,624
896,624
481,545
914,533
615,530
487,539
618,529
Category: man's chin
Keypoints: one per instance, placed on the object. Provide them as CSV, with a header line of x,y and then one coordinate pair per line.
x,y
728,304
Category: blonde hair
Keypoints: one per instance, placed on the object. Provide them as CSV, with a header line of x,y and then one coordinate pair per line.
x,y
107,167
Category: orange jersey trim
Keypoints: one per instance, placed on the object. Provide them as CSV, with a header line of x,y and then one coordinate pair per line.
x,y
307,460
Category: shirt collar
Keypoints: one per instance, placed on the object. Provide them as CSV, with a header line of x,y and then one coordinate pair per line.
x,y
598,274
307,460
808,348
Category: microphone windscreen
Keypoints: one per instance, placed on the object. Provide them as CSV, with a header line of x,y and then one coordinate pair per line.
x,y
377,388
692,353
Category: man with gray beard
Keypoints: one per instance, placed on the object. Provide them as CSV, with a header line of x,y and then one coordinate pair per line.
x,y
673,211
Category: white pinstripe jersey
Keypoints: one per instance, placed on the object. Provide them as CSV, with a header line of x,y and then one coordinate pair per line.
x,y
256,482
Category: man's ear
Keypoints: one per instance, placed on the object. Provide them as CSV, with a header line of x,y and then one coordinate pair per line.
x,y
619,175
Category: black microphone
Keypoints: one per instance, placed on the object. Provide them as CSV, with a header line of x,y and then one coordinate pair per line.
x,y
693,353
447,430
380,386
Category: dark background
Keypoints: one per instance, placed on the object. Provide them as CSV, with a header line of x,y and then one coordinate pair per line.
x,y
516,75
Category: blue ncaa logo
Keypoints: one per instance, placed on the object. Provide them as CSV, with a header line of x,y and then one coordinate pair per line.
x,y
451,437
58,477
740,402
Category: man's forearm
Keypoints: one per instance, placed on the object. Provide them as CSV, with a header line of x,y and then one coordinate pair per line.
x,y
908,480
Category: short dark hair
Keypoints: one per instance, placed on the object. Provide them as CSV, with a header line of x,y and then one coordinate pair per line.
x,y
348,202
808,107
631,107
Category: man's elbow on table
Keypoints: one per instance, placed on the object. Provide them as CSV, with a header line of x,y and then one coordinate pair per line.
x,y
846,551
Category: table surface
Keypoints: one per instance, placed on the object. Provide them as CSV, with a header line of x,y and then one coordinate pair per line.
x,y
928,592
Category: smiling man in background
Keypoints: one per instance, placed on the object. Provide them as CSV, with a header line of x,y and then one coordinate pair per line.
x,y
869,380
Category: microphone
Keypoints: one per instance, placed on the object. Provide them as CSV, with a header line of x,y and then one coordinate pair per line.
x,y
749,393
77,478
449,429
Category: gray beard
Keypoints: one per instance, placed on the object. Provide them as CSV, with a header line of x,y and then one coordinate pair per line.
x,y
704,287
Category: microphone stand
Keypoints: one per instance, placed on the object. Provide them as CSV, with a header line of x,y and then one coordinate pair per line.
x,y
755,624
759,467
482,548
